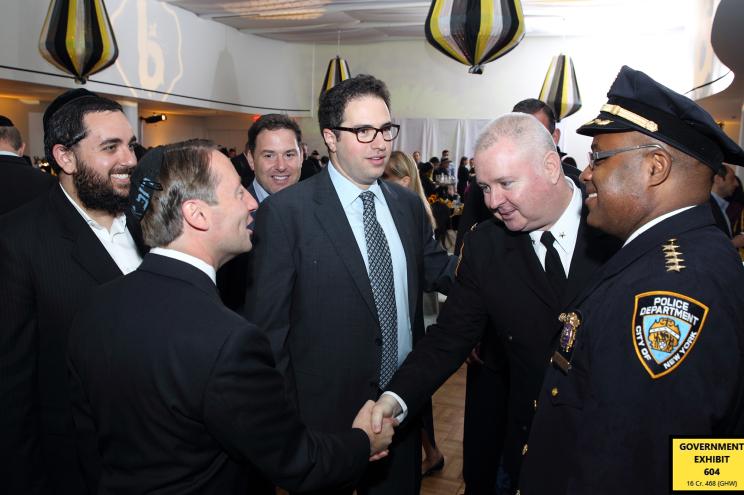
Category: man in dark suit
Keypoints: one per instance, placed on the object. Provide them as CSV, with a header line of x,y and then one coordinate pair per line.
x,y
724,185
240,162
513,279
19,182
273,152
341,261
53,252
181,395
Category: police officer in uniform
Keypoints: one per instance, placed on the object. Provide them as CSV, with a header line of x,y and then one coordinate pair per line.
x,y
654,346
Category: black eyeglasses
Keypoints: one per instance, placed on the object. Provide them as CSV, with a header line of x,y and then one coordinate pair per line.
x,y
595,156
367,134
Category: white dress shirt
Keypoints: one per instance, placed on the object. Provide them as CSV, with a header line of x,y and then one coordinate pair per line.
x,y
118,241
565,231
261,193
187,258
349,193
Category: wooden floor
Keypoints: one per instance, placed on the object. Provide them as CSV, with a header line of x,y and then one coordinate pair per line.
x,y
449,407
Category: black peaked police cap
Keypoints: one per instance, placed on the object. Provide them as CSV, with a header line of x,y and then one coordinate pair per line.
x,y
635,102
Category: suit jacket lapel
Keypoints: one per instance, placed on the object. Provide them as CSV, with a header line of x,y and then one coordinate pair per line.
x,y
522,259
87,250
332,218
406,231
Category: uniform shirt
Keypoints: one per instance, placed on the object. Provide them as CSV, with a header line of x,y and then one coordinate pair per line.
x,y
564,230
201,265
643,228
349,193
118,241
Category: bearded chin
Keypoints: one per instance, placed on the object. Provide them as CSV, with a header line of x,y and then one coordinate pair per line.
x,y
97,193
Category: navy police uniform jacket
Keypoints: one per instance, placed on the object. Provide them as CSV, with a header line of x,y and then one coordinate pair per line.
x,y
656,348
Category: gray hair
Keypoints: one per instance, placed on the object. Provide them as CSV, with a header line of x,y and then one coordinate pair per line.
x,y
522,129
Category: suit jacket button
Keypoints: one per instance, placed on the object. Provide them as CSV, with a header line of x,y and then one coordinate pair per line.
x,y
378,342
524,449
554,391
535,404
510,337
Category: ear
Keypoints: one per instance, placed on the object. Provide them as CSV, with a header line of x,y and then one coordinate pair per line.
x,y
556,136
196,214
405,181
552,166
658,166
20,150
65,158
330,140
249,157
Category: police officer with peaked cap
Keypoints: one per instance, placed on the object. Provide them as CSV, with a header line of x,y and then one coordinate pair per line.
x,y
654,347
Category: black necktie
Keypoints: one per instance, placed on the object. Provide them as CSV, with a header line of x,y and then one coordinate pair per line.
x,y
553,266
383,287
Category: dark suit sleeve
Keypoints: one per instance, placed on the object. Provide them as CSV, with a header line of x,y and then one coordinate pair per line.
x,y
19,449
246,410
86,440
447,343
273,282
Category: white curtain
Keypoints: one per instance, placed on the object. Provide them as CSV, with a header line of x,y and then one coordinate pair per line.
x,y
431,136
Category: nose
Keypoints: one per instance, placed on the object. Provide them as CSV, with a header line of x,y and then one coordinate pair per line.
x,y
128,158
250,201
494,198
378,142
586,174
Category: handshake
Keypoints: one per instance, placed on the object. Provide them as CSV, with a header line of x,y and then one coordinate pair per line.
x,y
377,420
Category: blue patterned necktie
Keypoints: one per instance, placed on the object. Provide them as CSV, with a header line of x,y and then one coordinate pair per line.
x,y
383,288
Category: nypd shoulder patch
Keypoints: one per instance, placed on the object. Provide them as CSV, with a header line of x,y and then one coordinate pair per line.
x,y
666,326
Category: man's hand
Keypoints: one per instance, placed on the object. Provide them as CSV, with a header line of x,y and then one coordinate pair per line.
x,y
385,409
380,439
738,240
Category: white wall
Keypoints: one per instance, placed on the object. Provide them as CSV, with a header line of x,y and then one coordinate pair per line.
x,y
426,84
163,48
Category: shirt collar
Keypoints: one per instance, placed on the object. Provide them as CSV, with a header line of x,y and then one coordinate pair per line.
x,y
187,258
117,226
261,193
722,203
9,153
347,191
653,222
566,228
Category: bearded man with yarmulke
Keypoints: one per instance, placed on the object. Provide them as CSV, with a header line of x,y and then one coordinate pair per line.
x,y
654,347
54,251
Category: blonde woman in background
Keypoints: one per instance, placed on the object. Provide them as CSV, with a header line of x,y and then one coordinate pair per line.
x,y
402,170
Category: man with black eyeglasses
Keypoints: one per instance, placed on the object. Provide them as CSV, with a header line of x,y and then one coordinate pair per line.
x,y
339,265
653,348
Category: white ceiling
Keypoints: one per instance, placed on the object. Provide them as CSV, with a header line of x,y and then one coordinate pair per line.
x,y
363,21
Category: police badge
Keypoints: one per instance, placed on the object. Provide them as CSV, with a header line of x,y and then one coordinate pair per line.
x,y
666,326
562,356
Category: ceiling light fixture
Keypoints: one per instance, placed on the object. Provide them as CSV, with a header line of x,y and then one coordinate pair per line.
x,y
154,119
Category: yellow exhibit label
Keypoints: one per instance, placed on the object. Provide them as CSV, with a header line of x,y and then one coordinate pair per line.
x,y
707,464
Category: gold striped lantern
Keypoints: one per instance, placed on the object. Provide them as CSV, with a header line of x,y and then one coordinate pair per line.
x,y
77,37
560,89
338,70
475,32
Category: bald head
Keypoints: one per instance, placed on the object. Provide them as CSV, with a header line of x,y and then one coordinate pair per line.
x,y
520,173
522,131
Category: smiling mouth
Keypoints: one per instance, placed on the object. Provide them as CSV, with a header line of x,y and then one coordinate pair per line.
x,y
591,195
